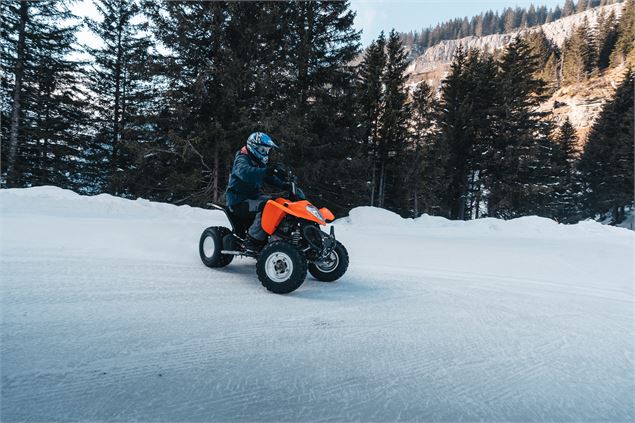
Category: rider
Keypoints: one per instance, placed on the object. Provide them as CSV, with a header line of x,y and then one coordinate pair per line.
x,y
249,173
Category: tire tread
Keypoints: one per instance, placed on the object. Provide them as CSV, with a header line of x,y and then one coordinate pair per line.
x,y
299,262
337,273
220,260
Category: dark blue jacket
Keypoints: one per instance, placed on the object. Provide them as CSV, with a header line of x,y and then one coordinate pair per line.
x,y
246,179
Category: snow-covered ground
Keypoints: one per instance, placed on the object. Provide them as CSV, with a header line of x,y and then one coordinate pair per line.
x,y
109,315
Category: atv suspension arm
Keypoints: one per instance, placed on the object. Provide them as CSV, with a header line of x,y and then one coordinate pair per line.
x,y
327,241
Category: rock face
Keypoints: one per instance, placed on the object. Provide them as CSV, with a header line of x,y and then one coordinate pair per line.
x,y
440,55
580,102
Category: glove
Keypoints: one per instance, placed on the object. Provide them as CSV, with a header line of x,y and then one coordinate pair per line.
x,y
278,171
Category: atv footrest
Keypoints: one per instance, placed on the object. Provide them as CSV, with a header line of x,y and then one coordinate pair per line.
x,y
230,252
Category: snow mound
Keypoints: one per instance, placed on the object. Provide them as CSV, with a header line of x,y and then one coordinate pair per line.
x,y
370,216
61,202
66,223
528,226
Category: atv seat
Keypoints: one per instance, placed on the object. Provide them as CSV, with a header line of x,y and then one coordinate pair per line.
x,y
239,223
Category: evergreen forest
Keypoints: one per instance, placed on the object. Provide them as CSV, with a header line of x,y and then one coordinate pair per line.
x,y
174,88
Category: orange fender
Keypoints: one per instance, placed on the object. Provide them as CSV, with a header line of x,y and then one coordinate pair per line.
x,y
327,214
274,211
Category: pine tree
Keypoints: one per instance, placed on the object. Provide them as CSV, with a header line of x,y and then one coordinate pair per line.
x,y
532,18
581,6
13,18
453,116
320,43
465,28
298,89
541,15
393,126
607,160
479,26
549,17
551,71
607,36
184,164
118,81
579,55
517,175
426,178
588,48
540,46
623,50
568,9
466,129
41,95
567,195
371,100
524,20
509,19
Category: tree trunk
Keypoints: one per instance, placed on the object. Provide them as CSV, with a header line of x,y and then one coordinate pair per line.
x,y
471,189
463,199
477,206
560,72
416,203
382,185
614,215
373,183
215,175
117,104
307,21
460,215
43,171
620,214
19,73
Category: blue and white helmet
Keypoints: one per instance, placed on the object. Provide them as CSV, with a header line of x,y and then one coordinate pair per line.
x,y
259,144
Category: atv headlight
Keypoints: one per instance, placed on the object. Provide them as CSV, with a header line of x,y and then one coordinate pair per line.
x,y
315,212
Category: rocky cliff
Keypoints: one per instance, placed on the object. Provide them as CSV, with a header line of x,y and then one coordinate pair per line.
x,y
580,102
441,54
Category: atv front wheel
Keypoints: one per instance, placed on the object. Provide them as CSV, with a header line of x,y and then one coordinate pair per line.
x,y
333,267
281,267
211,245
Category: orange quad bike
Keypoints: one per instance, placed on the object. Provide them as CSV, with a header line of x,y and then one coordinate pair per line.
x,y
296,243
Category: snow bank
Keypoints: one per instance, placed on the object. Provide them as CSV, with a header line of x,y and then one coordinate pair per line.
x,y
66,223
56,201
528,226
371,216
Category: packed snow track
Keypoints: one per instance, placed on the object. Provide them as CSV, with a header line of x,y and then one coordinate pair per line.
x,y
108,314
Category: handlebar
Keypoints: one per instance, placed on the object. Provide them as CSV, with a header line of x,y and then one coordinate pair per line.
x,y
295,193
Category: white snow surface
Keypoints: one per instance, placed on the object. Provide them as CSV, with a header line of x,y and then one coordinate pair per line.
x,y
108,314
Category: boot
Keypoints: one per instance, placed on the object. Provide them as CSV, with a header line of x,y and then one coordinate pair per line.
x,y
253,245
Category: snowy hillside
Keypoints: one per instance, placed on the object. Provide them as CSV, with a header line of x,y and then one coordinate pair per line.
x,y
109,315
581,102
441,55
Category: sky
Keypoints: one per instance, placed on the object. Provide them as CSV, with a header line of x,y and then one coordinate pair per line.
x,y
373,16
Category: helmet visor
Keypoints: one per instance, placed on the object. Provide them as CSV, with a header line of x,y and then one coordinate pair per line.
x,y
263,149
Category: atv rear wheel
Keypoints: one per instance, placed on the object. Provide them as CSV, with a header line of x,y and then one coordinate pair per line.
x,y
211,245
281,267
333,267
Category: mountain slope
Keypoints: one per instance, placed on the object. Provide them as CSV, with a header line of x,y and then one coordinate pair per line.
x,y
109,315
440,56
580,102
